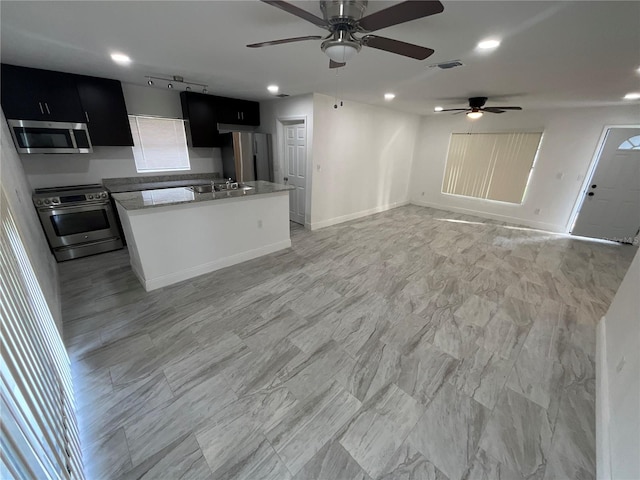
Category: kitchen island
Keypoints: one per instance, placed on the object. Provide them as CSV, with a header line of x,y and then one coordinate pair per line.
x,y
174,234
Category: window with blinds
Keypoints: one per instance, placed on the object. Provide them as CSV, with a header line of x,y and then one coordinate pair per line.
x,y
159,144
492,166
39,430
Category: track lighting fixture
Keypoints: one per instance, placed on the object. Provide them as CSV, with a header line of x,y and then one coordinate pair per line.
x,y
175,79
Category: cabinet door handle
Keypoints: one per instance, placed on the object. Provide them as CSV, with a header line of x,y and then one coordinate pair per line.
x,y
86,115
238,114
242,115
41,109
47,107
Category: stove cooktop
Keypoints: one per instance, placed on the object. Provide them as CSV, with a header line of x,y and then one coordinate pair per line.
x,y
70,194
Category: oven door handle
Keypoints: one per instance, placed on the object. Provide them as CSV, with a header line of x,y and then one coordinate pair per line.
x,y
52,209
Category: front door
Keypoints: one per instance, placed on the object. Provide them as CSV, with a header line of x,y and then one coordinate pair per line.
x,y
296,161
611,205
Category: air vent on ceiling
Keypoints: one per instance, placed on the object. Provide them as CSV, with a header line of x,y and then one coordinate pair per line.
x,y
282,95
448,65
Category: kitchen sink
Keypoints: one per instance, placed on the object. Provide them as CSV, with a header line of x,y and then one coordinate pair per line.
x,y
221,188
201,188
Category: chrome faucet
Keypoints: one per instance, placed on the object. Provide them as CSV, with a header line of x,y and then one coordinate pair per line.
x,y
229,181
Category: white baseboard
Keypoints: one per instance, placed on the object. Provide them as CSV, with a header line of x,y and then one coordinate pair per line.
x,y
165,280
550,227
356,215
603,453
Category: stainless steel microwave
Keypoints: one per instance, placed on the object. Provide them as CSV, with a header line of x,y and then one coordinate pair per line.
x,y
34,136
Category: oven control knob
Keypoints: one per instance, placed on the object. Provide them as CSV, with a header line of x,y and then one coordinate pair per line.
x,y
90,197
104,195
38,202
47,201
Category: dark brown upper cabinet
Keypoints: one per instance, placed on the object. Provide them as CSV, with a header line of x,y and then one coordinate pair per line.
x,y
34,94
204,112
238,112
202,122
105,111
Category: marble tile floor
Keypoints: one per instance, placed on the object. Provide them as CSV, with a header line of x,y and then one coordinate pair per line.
x,y
412,344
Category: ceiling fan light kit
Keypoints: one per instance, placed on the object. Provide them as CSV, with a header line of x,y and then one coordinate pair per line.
x,y
345,21
477,109
341,48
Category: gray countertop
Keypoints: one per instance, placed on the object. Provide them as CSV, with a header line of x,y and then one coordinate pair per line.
x,y
180,195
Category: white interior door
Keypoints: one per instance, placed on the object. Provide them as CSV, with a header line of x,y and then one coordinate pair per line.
x,y
296,162
611,205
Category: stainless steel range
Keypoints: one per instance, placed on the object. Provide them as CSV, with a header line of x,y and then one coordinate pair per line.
x,y
78,220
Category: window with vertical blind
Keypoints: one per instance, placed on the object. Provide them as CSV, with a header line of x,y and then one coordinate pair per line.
x,y
491,166
159,144
39,431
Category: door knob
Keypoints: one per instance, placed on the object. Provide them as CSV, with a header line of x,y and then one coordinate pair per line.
x,y
590,194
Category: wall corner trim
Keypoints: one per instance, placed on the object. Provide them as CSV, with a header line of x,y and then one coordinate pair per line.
x,y
603,454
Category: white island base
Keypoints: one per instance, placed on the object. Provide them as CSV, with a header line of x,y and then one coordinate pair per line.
x,y
169,244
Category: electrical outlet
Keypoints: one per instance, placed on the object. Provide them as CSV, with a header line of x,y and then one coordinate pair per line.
x,y
423,194
536,211
560,175
259,223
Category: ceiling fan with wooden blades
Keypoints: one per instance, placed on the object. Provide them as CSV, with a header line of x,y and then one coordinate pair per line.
x,y
349,30
476,108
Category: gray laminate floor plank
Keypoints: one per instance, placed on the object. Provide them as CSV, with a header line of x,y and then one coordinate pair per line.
x,y
411,344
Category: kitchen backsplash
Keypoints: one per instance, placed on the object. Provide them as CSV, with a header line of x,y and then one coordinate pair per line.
x,y
105,162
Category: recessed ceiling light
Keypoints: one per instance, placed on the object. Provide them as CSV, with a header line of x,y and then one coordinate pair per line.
x,y
438,109
632,96
273,89
389,96
488,44
120,58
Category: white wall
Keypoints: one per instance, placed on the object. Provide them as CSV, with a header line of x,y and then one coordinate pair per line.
x,y
620,431
15,185
362,156
110,162
568,145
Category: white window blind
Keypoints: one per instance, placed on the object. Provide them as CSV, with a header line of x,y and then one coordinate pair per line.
x,y
39,430
160,144
493,166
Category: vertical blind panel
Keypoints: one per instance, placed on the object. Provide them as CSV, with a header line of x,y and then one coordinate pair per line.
x,y
39,430
159,144
493,166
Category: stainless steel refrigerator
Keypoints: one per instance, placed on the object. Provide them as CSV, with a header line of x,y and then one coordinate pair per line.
x,y
246,156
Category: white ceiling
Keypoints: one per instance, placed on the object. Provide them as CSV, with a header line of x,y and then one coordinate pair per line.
x,y
553,54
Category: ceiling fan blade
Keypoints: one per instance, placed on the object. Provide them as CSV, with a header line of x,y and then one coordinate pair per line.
x,y
298,12
454,110
333,64
508,108
397,47
400,13
492,110
284,40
